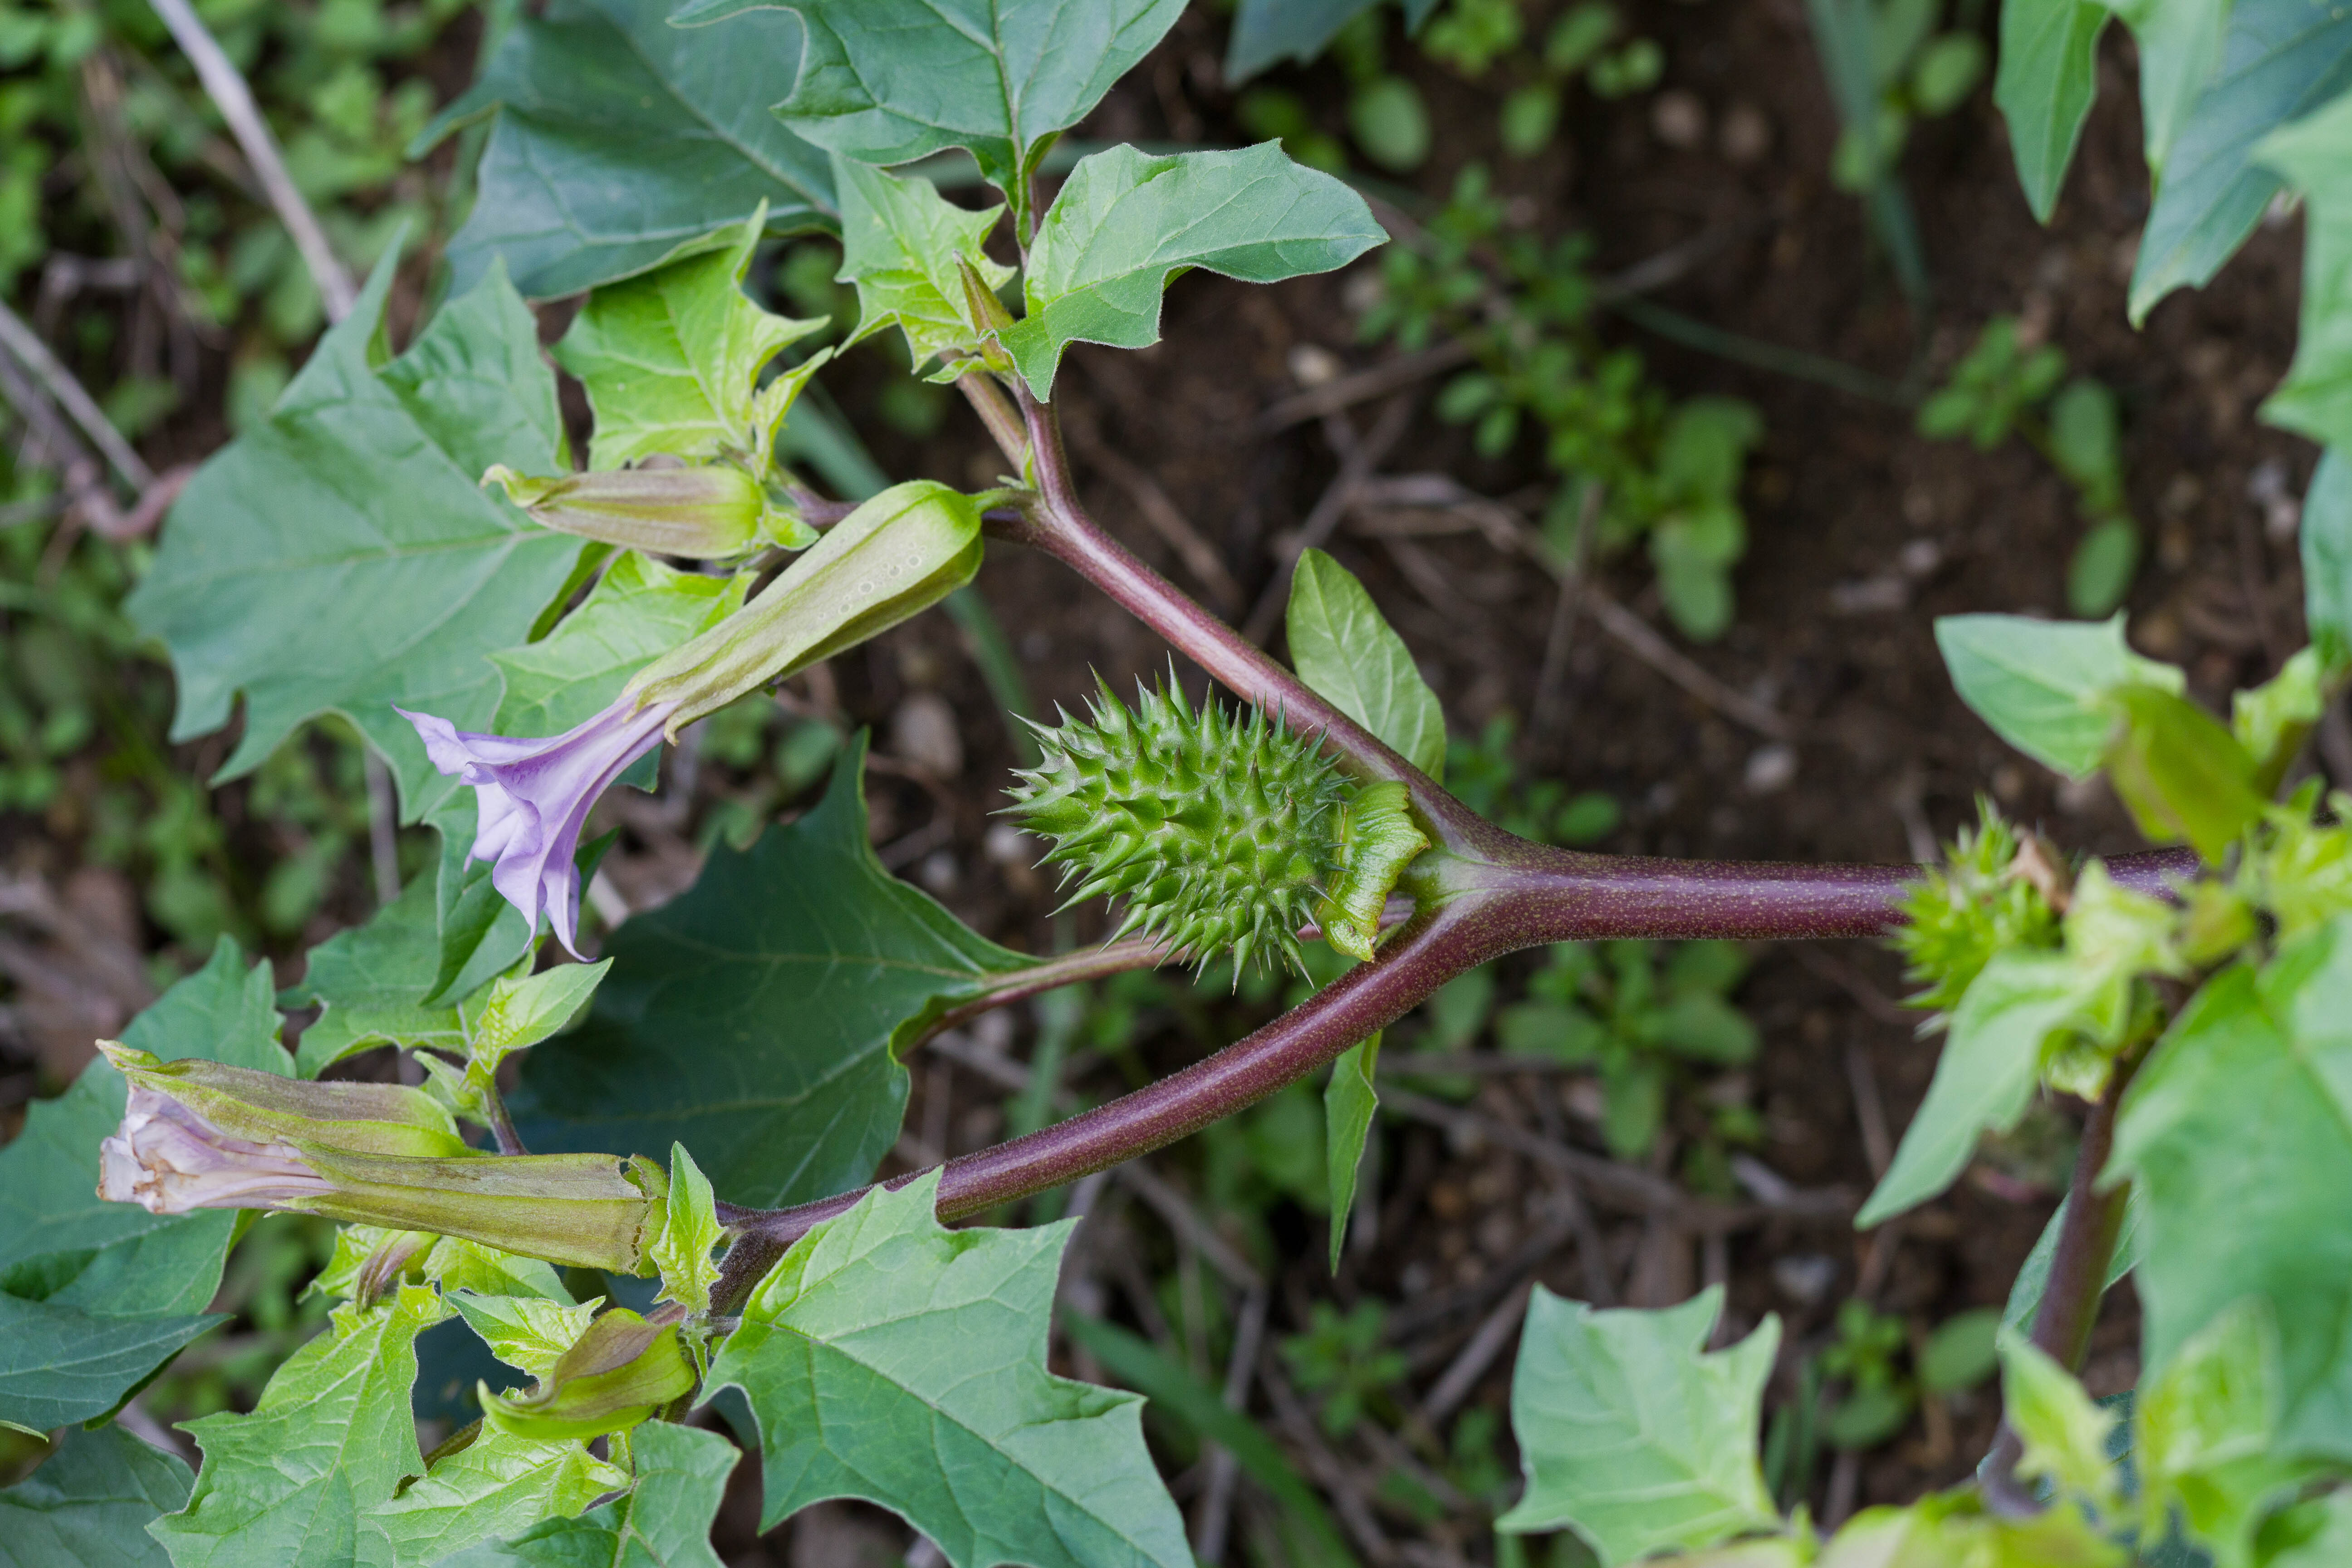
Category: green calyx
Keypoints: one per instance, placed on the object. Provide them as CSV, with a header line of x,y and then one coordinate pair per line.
x,y
1220,834
1962,912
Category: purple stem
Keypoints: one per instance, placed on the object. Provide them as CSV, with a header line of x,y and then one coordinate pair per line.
x,y
1057,524
1491,894
2076,1285
1549,896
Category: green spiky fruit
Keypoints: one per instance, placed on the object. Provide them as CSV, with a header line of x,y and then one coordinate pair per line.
x,y
1218,833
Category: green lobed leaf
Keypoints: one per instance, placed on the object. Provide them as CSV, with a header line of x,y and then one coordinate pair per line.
x,y
530,1333
96,1295
620,142
1952,1530
2314,154
340,557
2314,1534
2047,77
330,1438
516,1012
1984,1077
889,1358
2327,547
639,610
887,82
451,1262
2178,43
2042,685
663,1521
2063,1433
690,1230
520,1013
755,1018
1266,31
672,357
1348,1102
371,982
90,1503
2273,719
497,1485
59,1364
1126,223
2201,1436
456,1264
1632,1435
2183,775
1347,652
2239,1133
479,933
2280,60
1313,1539
904,247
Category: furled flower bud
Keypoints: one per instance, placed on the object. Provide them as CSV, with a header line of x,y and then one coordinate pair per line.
x,y
205,1135
621,1372
896,554
707,512
531,799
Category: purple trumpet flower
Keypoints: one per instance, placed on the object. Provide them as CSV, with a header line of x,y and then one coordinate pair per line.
x,y
533,797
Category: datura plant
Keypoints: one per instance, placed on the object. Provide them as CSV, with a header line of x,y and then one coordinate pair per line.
x,y
666,1212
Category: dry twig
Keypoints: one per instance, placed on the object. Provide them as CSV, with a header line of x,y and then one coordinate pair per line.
x,y
21,341
1460,1377
225,86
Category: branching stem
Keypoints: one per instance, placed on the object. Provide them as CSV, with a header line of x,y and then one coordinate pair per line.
x,y
1479,894
1470,913
1065,969
501,1124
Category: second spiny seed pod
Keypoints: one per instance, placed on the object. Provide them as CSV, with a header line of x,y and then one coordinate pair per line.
x,y
1218,833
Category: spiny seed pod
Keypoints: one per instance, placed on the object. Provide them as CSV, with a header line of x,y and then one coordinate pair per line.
x,y
1220,832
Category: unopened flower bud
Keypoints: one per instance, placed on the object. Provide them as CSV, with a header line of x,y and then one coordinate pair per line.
x,y
899,553
204,1135
705,512
621,1372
